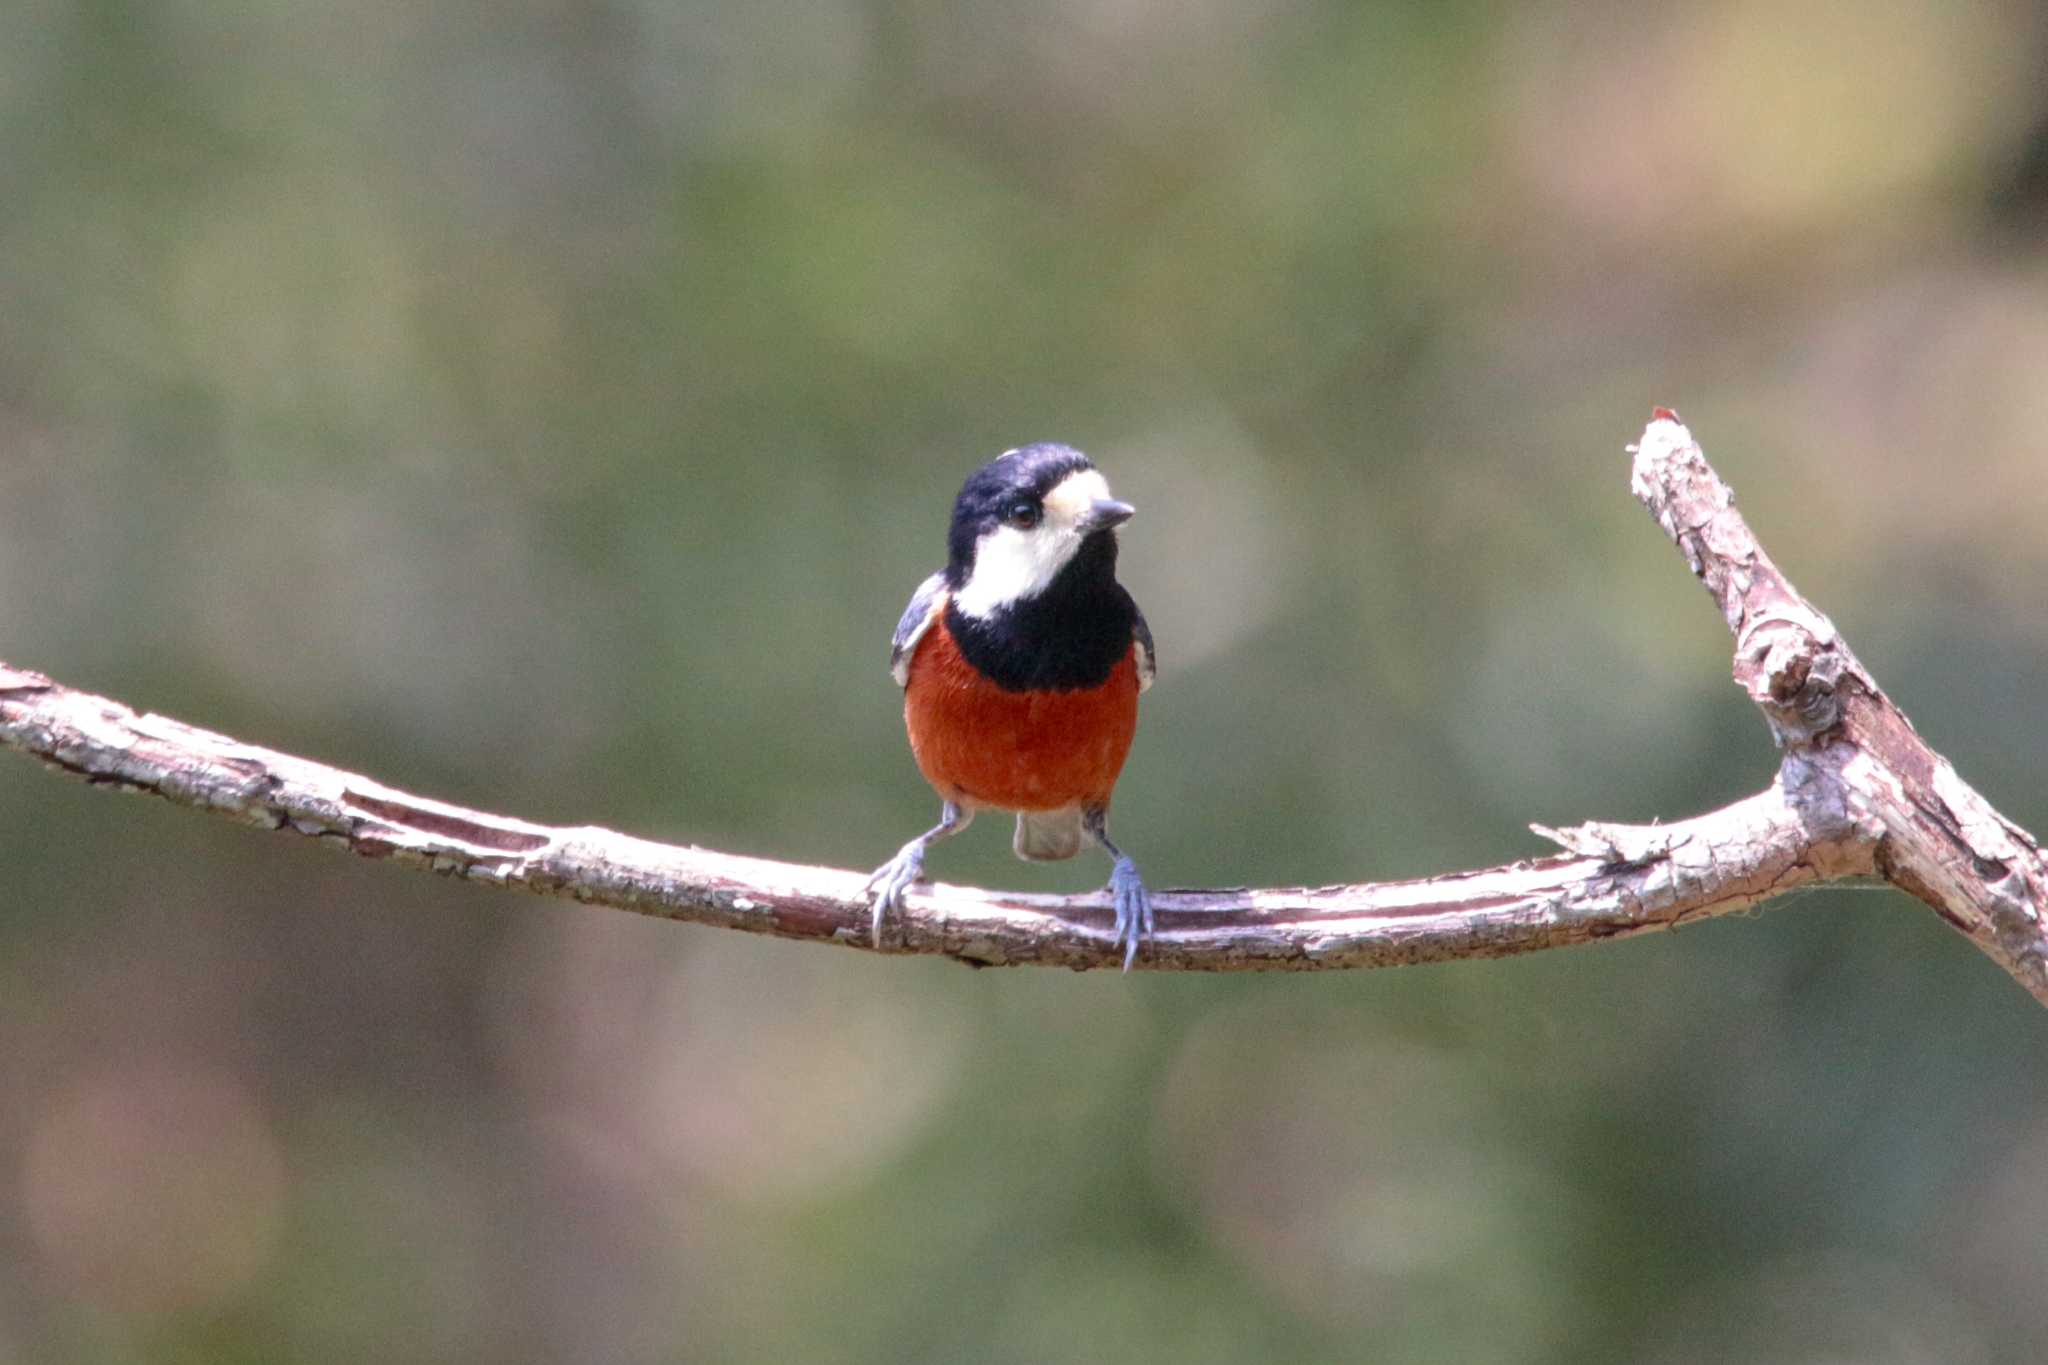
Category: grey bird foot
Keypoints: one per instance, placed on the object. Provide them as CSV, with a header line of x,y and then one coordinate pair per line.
x,y
892,880
1133,908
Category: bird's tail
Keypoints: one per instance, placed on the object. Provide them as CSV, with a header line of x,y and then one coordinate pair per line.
x,y
1045,836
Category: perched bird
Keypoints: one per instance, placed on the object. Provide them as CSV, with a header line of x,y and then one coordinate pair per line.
x,y
1021,663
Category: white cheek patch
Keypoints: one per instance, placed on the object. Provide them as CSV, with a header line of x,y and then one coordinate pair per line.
x,y
1011,565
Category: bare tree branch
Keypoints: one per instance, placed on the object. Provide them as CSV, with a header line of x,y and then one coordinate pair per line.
x,y
1858,795
1929,832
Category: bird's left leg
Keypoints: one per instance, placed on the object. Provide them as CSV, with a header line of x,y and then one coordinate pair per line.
x,y
895,877
1126,888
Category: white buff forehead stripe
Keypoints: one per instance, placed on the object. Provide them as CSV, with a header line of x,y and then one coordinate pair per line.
x,y
1074,495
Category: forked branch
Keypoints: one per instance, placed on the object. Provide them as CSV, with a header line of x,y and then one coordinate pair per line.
x,y
1858,795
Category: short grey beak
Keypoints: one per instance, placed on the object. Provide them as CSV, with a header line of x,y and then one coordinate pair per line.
x,y
1107,513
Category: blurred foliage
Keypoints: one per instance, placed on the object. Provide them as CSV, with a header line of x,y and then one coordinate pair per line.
x,y
549,406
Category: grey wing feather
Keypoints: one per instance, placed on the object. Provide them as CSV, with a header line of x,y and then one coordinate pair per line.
x,y
925,605
1141,636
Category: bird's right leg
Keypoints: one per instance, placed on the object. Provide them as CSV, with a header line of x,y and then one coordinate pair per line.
x,y
895,877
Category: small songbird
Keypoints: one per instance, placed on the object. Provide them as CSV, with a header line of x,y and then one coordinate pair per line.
x,y
1021,663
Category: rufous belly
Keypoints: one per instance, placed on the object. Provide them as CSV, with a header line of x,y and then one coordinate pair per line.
x,y
980,745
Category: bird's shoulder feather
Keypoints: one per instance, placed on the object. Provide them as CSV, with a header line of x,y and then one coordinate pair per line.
x,y
926,605
1141,639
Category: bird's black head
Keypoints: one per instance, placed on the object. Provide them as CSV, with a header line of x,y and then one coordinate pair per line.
x,y
1022,519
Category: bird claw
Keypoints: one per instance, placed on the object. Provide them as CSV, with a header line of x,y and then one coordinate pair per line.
x,y
892,880
1134,921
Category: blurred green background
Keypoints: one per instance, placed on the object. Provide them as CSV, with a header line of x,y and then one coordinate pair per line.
x,y
549,406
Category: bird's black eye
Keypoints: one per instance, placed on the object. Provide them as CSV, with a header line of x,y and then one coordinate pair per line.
x,y
1023,514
